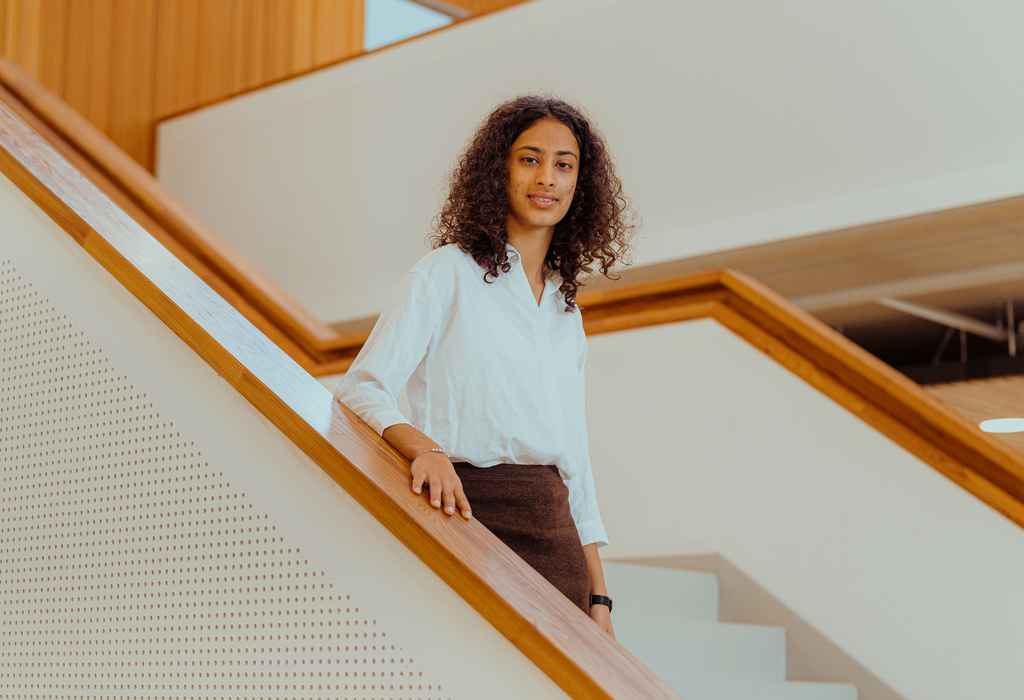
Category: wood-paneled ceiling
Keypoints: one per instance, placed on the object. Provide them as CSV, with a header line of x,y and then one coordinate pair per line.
x,y
982,399
966,259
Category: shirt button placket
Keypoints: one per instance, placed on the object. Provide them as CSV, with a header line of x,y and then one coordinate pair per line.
x,y
542,344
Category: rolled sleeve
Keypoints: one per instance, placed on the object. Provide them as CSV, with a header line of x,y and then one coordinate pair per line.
x,y
582,490
391,353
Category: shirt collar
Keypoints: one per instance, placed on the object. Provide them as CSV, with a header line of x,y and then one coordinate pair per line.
x,y
554,280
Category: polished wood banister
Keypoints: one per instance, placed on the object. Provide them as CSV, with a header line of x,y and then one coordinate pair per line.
x,y
558,637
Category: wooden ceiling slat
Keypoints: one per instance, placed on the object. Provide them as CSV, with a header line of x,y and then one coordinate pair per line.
x,y
177,71
100,91
984,399
326,39
131,84
950,242
303,14
26,38
277,39
214,53
77,59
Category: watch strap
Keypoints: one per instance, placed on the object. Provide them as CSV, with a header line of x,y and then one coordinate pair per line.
x,y
601,600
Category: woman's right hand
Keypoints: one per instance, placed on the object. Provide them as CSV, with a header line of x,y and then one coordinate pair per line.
x,y
437,471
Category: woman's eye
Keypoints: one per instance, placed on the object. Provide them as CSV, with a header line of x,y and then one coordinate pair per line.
x,y
525,159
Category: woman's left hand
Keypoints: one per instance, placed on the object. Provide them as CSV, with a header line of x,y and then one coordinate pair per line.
x,y
603,617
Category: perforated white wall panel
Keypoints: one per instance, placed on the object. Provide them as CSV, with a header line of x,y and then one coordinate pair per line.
x,y
129,561
159,537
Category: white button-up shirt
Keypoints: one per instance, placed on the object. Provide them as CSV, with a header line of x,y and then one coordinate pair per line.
x,y
491,376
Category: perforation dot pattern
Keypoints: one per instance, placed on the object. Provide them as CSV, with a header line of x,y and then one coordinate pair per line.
x,y
131,567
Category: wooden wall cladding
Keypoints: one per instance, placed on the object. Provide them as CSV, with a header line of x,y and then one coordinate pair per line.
x,y
125,64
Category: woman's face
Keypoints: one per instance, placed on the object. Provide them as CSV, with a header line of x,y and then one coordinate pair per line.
x,y
543,164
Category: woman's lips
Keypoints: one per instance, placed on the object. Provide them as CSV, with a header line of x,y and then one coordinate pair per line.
x,y
542,202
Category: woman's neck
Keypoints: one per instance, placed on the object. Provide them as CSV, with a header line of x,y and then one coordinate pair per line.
x,y
533,249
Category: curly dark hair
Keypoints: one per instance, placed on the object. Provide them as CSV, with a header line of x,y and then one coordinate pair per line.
x,y
474,214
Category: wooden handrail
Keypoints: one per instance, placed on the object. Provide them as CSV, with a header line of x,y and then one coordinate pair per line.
x,y
547,627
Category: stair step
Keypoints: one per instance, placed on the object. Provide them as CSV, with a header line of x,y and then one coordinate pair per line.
x,y
694,650
643,592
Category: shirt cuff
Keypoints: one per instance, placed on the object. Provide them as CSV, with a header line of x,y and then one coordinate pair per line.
x,y
384,420
592,531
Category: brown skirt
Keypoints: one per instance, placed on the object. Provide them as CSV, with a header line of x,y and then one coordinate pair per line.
x,y
527,507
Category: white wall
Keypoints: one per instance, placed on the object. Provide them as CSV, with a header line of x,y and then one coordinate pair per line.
x,y
731,122
710,447
169,538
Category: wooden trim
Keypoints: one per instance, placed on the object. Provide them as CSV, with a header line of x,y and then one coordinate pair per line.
x,y
558,637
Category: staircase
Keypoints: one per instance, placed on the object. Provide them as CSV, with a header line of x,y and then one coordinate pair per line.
x,y
669,619
60,225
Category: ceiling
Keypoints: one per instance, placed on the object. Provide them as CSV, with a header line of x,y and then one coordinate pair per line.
x,y
982,399
968,260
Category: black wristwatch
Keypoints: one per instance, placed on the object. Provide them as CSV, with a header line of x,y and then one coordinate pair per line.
x,y
601,600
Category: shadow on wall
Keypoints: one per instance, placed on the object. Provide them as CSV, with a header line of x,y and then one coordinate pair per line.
x,y
810,655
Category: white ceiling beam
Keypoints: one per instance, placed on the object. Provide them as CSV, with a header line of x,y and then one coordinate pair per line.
x,y
948,318
915,286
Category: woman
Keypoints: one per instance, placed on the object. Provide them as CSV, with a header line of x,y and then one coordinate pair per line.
x,y
485,335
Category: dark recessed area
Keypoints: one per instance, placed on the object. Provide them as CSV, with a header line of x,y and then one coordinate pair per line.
x,y
930,353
